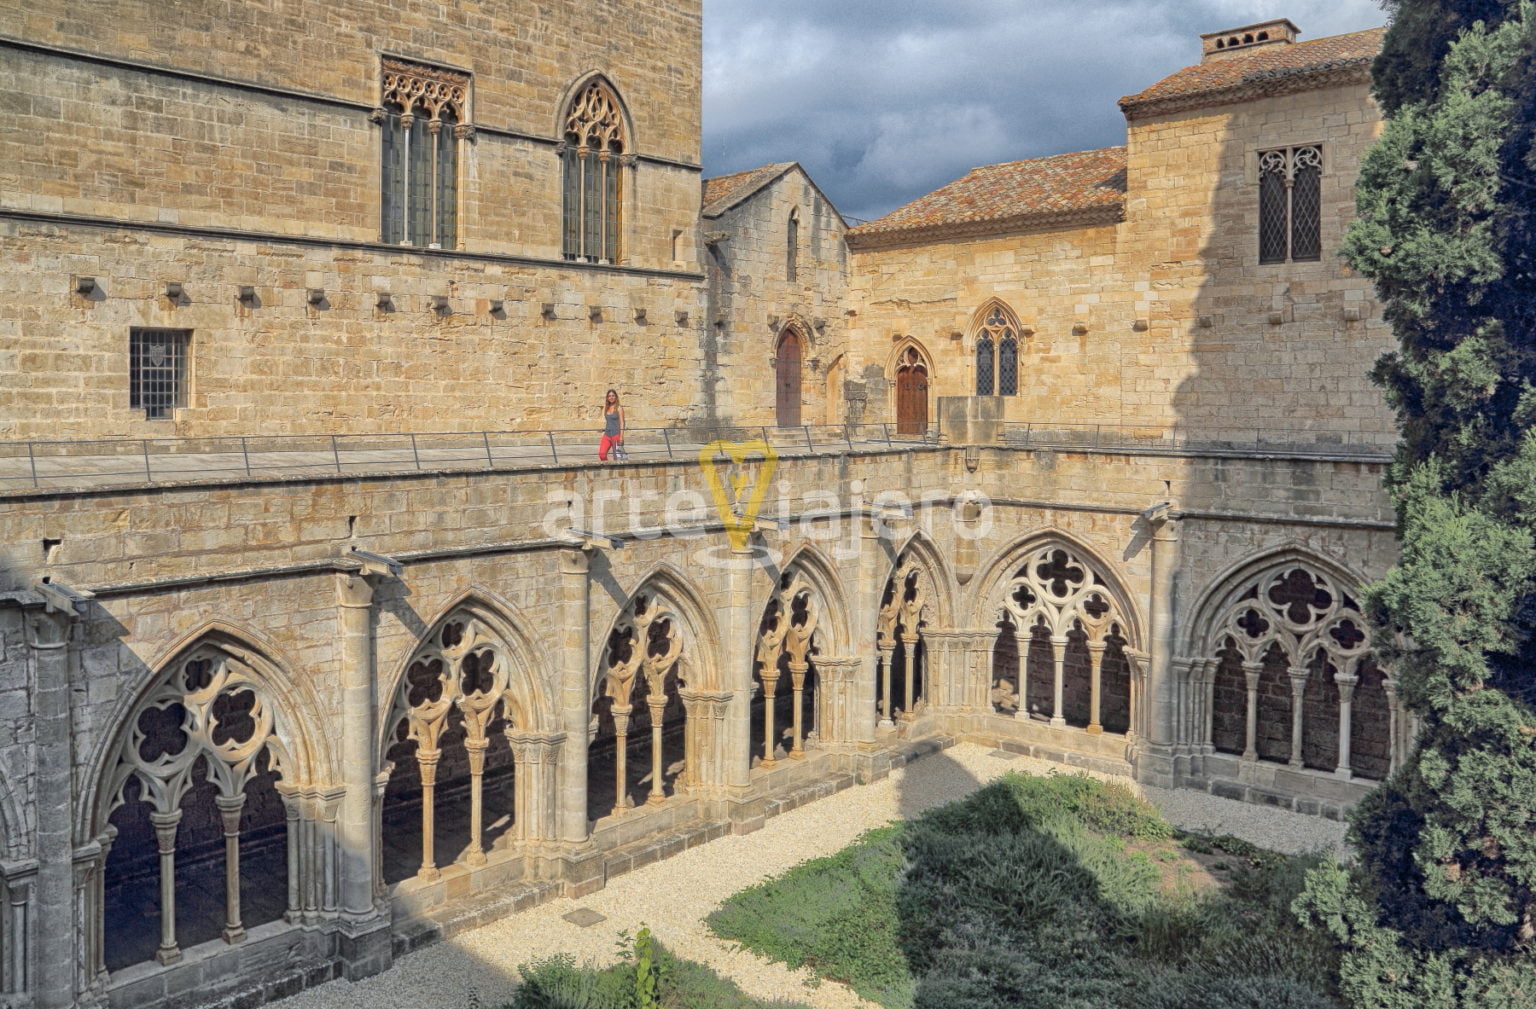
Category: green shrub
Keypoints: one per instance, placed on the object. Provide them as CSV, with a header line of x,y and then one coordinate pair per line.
x,y
557,983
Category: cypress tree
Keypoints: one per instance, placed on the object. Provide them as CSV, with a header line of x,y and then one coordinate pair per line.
x,y
1441,909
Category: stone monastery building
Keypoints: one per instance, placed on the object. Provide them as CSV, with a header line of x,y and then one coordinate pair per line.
x,y
324,635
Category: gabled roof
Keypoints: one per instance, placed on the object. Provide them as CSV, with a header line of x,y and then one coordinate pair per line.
x,y
1084,187
1264,70
723,192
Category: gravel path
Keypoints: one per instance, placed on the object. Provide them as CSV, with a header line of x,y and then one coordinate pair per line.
x,y
673,896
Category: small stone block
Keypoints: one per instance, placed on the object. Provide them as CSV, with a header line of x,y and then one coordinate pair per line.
x,y
1002,754
584,917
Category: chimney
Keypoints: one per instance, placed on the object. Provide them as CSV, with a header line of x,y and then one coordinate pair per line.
x,y
1220,45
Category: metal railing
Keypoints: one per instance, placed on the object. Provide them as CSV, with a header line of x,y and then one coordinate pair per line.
x,y
1213,440
118,461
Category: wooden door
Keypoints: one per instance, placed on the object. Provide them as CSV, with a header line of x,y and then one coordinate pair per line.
x,y
912,398
787,380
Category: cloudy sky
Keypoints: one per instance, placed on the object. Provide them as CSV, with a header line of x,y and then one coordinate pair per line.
x,y
884,100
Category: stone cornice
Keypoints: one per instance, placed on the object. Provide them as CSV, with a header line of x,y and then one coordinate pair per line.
x,y
1112,213
1261,85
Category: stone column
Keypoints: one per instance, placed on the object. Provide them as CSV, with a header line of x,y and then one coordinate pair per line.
x,y
1298,690
797,671
50,635
354,596
886,652
620,714
426,762
574,658
165,825
770,694
475,749
293,820
1021,647
1095,669
837,697
230,807
1251,674
738,630
707,763
909,669
14,972
536,805
1058,684
657,705
873,564
1346,711
1162,689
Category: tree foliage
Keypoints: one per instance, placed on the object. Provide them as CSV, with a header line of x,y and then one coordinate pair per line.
x,y
1441,910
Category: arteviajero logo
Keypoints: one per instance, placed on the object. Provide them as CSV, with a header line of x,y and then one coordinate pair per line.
x,y
737,503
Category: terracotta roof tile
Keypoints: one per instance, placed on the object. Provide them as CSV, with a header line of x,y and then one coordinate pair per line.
x,y
722,191
1258,66
1015,190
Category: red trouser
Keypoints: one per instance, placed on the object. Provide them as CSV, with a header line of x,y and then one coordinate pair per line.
x,y
609,442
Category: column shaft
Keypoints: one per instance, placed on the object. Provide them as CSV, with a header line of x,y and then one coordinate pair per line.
x,y
1161,693
229,811
1058,688
165,839
1251,672
575,693
50,636
358,677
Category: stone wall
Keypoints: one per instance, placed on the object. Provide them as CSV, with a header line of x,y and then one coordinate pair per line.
x,y
753,300
1166,319
231,147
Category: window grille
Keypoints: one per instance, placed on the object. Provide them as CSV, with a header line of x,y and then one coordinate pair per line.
x,y
592,158
997,354
157,371
423,119
1290,205
985,383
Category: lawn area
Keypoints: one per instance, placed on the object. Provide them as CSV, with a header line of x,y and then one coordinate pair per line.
x,y
1056,892
648,976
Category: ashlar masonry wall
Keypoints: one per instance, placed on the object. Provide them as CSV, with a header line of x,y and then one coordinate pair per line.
x,y
754,300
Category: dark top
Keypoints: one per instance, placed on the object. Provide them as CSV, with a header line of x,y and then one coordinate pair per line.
x,y
611,423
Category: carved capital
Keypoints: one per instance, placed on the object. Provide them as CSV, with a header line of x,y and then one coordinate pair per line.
x,y
464,131
48,628
353,590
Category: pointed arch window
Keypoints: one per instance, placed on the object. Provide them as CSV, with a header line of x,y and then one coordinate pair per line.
x,y
593,154
423,116
997,354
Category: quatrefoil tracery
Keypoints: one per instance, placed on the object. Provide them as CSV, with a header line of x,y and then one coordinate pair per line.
x,y
1303,614
211,712
1060,592
461,666
789,626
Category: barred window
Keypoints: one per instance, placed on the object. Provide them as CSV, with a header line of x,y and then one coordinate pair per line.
x,y
1290,205
157,371
997,353
423,119
592,156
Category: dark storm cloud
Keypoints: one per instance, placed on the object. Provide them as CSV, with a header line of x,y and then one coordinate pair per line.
x,y
884,101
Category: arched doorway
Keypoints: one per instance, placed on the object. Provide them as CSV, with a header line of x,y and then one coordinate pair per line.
x,y
911,394
786,368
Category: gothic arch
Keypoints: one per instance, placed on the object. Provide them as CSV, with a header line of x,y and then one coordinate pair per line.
x,y
1066,635
526,687
1278,665
217,742
996,342
577,88
677,594
986,596
822,576
920,546
894,359
1223,589
304,755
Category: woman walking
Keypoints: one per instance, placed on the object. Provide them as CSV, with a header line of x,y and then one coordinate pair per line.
x,y
613,429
